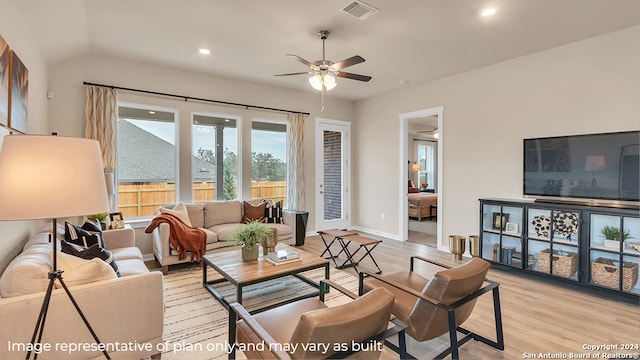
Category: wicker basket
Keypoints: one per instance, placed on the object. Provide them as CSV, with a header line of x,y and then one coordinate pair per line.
x,y
606,272
565,263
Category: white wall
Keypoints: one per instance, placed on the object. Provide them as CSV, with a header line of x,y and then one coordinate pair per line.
x,y
14,233
585,87
66,110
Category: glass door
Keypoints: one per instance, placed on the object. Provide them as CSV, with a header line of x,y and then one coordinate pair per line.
x,y
332,174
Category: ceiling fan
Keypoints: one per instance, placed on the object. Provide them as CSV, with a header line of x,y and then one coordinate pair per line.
x,y
323,72
433,132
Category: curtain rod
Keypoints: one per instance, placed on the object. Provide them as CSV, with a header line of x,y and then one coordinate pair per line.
x,y
197,99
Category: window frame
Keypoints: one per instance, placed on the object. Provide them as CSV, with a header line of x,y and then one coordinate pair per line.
x,y
176,154
287,124
238,138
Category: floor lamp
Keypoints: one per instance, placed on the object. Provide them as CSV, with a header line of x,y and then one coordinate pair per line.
x,y
594,163
50,177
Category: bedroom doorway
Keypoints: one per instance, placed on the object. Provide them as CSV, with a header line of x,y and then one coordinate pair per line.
x,y
421,160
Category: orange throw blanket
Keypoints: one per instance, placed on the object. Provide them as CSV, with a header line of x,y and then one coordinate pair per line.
x,y
182,237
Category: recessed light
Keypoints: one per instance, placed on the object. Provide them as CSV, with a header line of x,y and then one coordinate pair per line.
x,y
488,12
204,51
151,112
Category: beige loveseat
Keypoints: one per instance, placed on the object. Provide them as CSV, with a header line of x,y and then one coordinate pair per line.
x,y
121,310
218,219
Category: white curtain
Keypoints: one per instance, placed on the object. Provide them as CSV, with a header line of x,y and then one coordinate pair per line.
x,y
295,159
101,116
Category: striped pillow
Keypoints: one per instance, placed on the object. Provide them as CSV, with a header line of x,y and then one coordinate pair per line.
x,y
93,251
87,235
273,211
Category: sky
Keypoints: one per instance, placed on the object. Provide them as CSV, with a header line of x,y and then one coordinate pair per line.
x,y
204,137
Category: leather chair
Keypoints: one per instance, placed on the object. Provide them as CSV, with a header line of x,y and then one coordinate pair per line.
x,y
438,305
363,321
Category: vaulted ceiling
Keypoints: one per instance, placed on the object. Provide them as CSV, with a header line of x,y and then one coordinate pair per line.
x,y
407,42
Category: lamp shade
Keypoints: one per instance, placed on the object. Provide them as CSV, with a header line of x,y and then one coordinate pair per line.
x,y
50,177
416,167
594,163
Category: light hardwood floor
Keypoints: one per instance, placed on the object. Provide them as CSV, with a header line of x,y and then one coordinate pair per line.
x,y
539,317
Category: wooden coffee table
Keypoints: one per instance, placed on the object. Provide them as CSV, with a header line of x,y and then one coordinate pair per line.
x,y
229,264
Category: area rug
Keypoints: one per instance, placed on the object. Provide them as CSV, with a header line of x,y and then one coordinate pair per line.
x,y
196,324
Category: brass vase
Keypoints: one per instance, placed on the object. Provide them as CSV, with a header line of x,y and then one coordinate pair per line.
x,y
269,245
456,246
474,245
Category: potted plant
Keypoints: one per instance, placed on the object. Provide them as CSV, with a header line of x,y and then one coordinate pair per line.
x,y
250,236
612,235
99,219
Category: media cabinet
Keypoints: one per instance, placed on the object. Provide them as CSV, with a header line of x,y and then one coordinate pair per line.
x,y
564,241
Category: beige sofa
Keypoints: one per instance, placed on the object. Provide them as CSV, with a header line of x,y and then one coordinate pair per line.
x,y
124,309
218,219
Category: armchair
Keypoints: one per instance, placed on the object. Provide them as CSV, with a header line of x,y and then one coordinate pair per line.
x,y
363,321
439,305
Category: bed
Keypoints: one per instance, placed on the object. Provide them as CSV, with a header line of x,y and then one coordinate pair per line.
x,y
423,204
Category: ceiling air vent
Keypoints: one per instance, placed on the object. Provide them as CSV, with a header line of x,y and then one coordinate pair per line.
x,y
360,10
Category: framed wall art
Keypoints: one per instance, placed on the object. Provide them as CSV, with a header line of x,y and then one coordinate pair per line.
x,y
18,99
4,82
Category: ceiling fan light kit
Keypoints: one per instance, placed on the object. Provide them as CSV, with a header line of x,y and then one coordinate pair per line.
x,y
324,72
326,80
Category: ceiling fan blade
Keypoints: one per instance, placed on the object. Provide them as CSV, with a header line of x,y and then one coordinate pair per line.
x,y
348,62
308,63
296,73
353,76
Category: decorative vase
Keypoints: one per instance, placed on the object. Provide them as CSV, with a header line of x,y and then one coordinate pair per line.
x,y
456,246
250,253
269,245
614,244
474,245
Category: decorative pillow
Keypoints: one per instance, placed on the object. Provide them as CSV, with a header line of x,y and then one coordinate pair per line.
x,y
79,271
87,235
179,211
273,211
94,251
27,272
253,212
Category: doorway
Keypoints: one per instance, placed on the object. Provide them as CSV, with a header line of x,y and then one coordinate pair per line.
x,y
421,125
332,174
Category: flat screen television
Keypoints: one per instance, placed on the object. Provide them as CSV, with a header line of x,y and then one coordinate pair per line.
x,y
597,168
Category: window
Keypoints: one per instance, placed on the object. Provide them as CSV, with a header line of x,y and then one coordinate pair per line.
x,y
269,160
214,158
426,159
145,168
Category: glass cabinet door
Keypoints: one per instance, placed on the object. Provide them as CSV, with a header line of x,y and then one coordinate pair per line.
x,y
614,247
502,234
552,242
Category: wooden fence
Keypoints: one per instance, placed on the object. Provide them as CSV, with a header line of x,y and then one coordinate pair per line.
x,y
144,199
